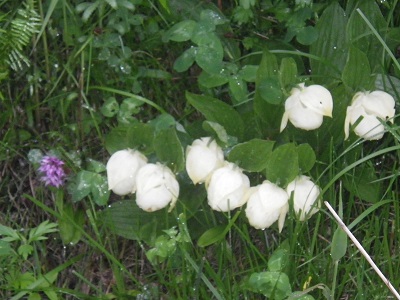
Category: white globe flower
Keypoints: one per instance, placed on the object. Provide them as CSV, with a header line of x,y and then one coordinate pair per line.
x,y
371,107
267,203
305,193
202,158
227,187
122,168
306,107
156,187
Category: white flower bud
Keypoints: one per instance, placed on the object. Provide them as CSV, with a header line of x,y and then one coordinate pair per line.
x,y
369,106
305,193
267,203
156,187
306,107
122,168
202,158
227,187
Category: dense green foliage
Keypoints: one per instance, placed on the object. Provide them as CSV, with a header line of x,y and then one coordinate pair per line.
x,y
83,79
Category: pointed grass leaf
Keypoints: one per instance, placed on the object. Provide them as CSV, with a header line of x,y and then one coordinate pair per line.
x,y
339,244
283,165
252,156
185,60
181,31
306,156
274,285
212,236
169,149
217,111
331,46
357,72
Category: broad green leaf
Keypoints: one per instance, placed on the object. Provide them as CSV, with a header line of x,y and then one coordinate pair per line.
x,y
252,156
99,189
331,46
95,166
209,55
357,72
306,156
218,132
278,260
359,34
110,107
169,149
129,107
217,111
212,80
181,31
364,183
339,244
185,60
274,285
238,89
5,248
268,92
288,73
307,35
212,236
81,186
249,73
136,136
212,16
68,232
283,165
163,122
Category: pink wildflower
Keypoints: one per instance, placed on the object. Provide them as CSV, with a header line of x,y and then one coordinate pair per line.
x,y
52,171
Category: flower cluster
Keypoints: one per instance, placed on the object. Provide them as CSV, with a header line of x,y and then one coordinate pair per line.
x,y
52,170
306,107
154,184
229,188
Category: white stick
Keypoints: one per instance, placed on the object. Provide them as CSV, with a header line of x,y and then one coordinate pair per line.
x,y
362,250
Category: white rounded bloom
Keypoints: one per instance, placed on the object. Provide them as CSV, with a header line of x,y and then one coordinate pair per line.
x,y
202,158
156,187
306,107
267,203
227,187
371,107
122,168
305,193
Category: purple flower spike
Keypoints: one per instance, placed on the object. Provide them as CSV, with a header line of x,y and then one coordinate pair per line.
x,y
52,170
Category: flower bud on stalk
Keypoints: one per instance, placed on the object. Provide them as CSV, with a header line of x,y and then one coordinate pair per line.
x,y
226,188
306,107
156,187
122,168
202,158
371,107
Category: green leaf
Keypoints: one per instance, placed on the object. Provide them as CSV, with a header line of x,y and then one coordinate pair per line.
x,y
252,156
181,31
212,236
110,107
274,285
249,73
306,156
169,149
218,132
330,47
278,260
213,17
81,186
185,60
129,107
238,89
5,248
209,55
288,73
25,250
217,111
10,234
99,189
95,166
136,136
357,72
339,244
68,231
307,35
212,80
38,233
283,165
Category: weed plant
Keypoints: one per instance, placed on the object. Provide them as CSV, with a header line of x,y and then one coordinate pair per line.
x,y
81,80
